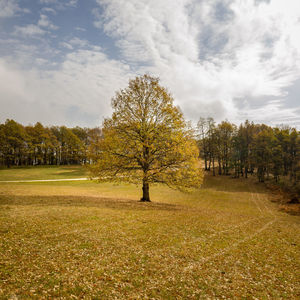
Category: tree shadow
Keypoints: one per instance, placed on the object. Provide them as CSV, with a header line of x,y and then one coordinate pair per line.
x,y
86,201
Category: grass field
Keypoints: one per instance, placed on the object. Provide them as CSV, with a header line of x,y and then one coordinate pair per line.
x,y
42,172
96,241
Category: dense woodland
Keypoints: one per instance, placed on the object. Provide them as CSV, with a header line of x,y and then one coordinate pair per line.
x,y
269,153
38,145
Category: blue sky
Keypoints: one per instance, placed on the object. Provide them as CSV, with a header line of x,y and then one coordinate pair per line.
x,y
62,61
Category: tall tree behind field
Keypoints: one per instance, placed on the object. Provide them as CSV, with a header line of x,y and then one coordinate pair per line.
x,y
283,136
2,143
236,161
215,143
40,145
83,135
94,143
225,133
207,141
297,166
70,146
203,141
267,154
211,139
272,153
55,131
294,155
13,145
89,138
288,139
50,146
244,143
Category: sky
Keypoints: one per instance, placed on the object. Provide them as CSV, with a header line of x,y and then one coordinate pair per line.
x,y
61,61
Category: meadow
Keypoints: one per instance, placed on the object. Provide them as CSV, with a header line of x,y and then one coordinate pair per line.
x,y
82,239
42,172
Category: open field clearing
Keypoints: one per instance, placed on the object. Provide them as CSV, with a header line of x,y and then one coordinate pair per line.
x,y
88,240
42,173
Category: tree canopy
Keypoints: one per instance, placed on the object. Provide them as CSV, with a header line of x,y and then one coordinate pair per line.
x,y
147,140
270,153
39,145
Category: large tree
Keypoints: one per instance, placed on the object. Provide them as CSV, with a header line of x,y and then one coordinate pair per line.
x,y
147,140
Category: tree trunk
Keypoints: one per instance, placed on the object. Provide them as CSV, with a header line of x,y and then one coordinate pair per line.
x,y
146,196
220,168
7,163
213,162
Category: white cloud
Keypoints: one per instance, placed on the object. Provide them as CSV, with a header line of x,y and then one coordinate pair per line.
x,y
9,8
227,59
78,93
29,30
79,42
34,30
48,1
80,29
72,3
210,52
60,4
66,45
48,9
276,114
45,22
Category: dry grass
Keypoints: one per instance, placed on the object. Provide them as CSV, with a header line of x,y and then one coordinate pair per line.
x,y
42,172
293,209
88,240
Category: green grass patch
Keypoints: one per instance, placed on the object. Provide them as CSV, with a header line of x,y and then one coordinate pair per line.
x,y
43,172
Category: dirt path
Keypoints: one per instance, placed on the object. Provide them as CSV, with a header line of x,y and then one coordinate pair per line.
x,y
44,180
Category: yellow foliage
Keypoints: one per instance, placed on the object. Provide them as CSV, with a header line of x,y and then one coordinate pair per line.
x,y
147,139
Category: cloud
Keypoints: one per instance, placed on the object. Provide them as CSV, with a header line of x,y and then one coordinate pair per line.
x,y
277,114
45,22
66,45
35,30
48,9
80,29
210,53
78,93
48,1
9,8
226,59
29,30
72,3
77,43
60,4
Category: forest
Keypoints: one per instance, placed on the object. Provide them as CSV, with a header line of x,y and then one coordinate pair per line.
x,y
270,153
39,145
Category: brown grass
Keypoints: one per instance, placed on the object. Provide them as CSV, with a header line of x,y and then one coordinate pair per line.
x,y
96,241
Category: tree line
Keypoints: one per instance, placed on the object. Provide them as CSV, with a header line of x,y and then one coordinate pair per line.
x,y
268,152
39,145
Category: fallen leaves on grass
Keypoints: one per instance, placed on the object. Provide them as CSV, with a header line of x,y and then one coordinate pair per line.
x,y
208,245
